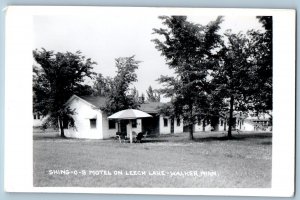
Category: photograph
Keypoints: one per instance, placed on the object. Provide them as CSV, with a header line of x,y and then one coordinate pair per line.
x,y
147,99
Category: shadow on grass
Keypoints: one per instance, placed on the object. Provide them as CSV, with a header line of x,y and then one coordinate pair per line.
x,y
224,138
153,141
262,138
237,137
58,138
266,143
47,138
207,138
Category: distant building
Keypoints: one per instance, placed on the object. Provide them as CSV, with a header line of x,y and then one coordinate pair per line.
x,y
261,122
38,119
241,122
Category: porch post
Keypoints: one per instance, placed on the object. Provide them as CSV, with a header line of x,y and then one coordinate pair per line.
x,y
130,130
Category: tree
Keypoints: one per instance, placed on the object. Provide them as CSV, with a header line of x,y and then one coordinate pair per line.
x,y
188,49
142,98
118,96
56,77
231,77
101,86
243,76
262,58
135,95
152,95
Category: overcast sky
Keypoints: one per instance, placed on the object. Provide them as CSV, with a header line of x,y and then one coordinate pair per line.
x,y
106,37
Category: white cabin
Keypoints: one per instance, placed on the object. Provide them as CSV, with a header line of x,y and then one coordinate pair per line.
x,y
90,122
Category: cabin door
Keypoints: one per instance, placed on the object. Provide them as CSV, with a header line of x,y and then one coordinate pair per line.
x,y
123,126
172,125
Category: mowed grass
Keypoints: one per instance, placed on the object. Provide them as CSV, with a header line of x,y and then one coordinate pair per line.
x,y
245,161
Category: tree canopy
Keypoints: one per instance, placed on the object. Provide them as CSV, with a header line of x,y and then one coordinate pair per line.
x,y
215,74
101,85
243,75
56,77
118,88
152,95
262,51
188,49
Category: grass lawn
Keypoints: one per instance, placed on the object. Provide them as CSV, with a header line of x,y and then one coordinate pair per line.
x,y
167,161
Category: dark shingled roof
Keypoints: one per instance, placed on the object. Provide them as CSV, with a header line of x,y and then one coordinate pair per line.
x,y
151,107
98,101
95,100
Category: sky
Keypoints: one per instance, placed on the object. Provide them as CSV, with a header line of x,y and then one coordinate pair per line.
x,y
105,37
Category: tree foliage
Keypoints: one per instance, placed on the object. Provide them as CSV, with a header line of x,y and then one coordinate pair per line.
x,y
243,76
232,75
102,85
152,95
215,75
262,51
118,88
188,49
56,77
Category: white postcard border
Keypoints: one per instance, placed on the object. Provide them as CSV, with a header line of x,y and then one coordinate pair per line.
x,y
18,100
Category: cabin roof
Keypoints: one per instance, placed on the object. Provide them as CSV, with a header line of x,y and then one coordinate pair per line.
x,y
99,101
151,107
96,101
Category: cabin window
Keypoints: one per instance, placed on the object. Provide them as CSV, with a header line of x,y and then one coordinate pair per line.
x,y
165,122
93,123
178,121
199,121
134,123
111,124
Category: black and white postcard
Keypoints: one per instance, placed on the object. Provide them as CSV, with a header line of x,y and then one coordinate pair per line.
x,y
185,101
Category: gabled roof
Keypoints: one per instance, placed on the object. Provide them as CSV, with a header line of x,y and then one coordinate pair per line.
x,y
151,107
96,101
99,101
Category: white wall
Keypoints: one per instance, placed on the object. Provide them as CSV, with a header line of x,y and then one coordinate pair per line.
x,y
37,122
82,116
221,126
248,126
178,129
138,126
199,127
164,129
107,133
167,129
137,129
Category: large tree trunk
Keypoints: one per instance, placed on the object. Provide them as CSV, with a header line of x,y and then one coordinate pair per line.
x,y
61,127
230,124
191,131
191,125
